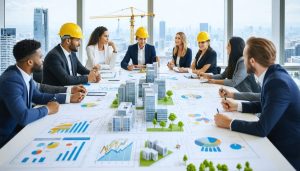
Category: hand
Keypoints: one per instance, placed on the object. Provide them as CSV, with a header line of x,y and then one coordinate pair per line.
x,y
78,88
222,121
203,74
170,65
52,107
98,78
224,92
77,97
112,44
97,67
229,105
130,67
212,81
92,77
182,70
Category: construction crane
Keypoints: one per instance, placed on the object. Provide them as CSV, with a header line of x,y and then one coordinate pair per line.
x,y
132,15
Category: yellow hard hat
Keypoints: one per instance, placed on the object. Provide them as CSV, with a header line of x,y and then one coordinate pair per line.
x,y
70,29
203,36
142,32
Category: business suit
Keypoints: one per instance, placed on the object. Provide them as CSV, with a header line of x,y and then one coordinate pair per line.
x,y
249,84
132,53
56,71
238,76
184,61
16,107
280,114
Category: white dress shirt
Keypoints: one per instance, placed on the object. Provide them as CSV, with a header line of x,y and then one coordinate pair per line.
x,y
141,55
177,61
67,54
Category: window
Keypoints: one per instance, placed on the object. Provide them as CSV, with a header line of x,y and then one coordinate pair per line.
x,y
252,18
190,17
292,32
40,20
119,28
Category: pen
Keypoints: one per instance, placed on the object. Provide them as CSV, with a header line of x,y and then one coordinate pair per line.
x,y
218,110
113,80
53,99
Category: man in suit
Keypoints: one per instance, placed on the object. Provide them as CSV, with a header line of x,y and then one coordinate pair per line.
x,y
279,103
18,92
61,64
140,53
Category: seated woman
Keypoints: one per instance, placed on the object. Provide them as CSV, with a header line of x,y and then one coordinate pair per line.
x,y
100,51
206,58
235,72
140,53
182,55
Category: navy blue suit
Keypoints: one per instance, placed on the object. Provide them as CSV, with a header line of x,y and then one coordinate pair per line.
x,y
132,53
15,109
186,60
280,114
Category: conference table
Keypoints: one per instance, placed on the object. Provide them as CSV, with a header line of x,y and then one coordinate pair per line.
x,y
80,136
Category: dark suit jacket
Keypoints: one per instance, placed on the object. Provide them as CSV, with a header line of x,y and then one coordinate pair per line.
x,y
15,109
184,61
132,53
56,70
280,114
45,88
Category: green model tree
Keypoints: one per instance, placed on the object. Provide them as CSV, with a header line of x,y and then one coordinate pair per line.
x,y
169,93
206,163
247,164
165,99
115,102
154,121
224,167
172,117
202,167
219,166
185,158
162,124
171,126
180,125
239,166
212,168
191,167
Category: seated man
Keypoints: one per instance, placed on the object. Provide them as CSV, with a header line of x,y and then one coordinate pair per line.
x,y
279,104
140,53
18,92
61,65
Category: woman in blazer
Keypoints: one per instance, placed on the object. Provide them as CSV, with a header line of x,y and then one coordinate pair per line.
x,y
206,58
100,51
235,72
182,55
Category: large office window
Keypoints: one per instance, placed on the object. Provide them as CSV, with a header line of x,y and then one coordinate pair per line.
x,y
118,27
190,17
292,32
252,18
40,19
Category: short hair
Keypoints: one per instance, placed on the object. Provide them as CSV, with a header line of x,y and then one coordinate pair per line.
x,y
262,50
24,48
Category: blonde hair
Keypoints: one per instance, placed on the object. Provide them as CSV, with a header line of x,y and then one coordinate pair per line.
x,y
184,41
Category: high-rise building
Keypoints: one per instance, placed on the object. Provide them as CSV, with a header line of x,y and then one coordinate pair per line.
x,y
162,115
289,52
204,27
7,42
124,118
128,92
149,104
161,83
162,34
297,50
40,28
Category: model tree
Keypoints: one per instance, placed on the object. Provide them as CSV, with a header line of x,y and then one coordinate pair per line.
x,y
191,167
239,166
180,125
115,102
202,167
169,93
162,124
154,121
185,158
172,117
171,126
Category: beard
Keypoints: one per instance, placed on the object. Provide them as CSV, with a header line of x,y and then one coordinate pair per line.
x,y
37,68
73,48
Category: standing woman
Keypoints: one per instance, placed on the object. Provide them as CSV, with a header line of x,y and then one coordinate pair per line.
x,y
235,72
182,55
206,58
100,51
